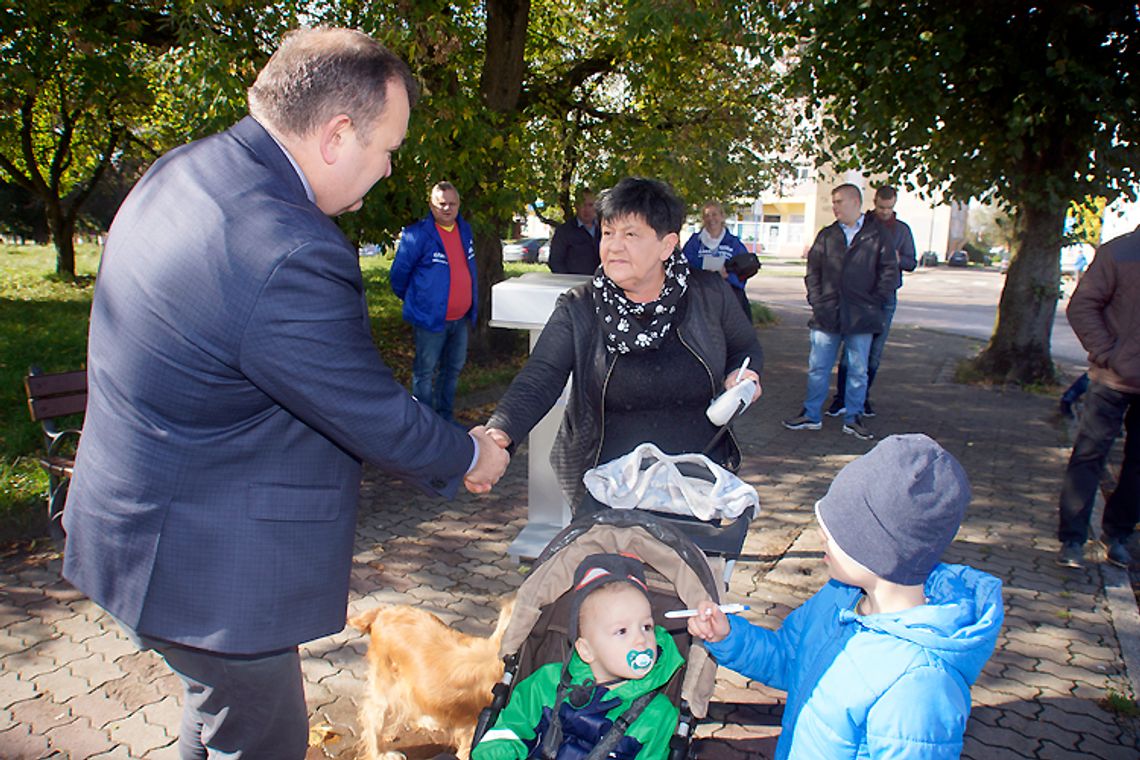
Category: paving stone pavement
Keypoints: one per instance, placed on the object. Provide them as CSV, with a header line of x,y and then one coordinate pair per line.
x,y
72,686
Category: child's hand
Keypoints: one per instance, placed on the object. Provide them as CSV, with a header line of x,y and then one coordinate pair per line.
x,y
709,623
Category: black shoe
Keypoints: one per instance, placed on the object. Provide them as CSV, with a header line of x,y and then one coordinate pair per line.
x,y
855,427
1072,555
868,410
837,409
1117,553
802,422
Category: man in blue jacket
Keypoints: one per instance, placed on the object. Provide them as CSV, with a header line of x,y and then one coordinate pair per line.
x,y
434,275
235,390
574,247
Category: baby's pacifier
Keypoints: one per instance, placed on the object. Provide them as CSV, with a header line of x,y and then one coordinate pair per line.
x,y
640,660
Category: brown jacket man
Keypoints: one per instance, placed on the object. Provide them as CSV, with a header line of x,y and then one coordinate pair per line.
x,y
1105,314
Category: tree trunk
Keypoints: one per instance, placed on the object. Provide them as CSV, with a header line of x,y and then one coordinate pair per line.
x,y
62,228
504,67
1019,349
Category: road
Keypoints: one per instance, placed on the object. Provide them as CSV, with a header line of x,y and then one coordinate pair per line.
x,y
957,301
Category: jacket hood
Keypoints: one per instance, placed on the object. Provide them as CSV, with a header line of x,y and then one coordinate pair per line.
x,y
959,624
669,660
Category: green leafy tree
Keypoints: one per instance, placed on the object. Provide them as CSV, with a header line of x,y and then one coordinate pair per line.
x,y
524,102
1032,105
93,87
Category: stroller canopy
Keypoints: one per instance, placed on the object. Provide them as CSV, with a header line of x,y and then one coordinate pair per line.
x,y
675,567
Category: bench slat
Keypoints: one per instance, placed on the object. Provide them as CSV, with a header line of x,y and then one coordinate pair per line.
x,y
56,384
50,408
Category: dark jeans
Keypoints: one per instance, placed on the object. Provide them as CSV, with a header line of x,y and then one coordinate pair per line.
x,y
1100,424
440,357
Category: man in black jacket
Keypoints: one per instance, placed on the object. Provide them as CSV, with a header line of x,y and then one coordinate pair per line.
x,y
852,271
898,232
574,247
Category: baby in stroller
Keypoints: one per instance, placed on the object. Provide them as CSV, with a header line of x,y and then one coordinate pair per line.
x,y
611,681
617,685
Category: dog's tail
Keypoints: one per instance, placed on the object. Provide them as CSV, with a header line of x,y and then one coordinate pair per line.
x,y
363,621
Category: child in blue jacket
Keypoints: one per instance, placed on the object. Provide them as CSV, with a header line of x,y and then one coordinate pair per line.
x,y
880,661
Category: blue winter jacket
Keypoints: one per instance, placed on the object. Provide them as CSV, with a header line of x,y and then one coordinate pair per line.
x,y
421,277
891,685
729,246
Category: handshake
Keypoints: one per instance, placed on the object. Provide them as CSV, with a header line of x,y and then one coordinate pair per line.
x,y
492,460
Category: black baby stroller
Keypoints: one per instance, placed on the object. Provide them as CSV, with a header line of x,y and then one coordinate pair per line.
x,y
679,577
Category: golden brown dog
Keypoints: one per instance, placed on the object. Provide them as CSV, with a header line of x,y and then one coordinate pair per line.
x,y
425,677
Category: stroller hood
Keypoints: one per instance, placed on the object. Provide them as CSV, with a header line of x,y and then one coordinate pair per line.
x,y
674,564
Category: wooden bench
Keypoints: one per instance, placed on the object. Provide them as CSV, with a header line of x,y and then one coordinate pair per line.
x,y
50,398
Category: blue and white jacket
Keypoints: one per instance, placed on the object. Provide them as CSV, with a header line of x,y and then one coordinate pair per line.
x,y
421,277
866,686
728,247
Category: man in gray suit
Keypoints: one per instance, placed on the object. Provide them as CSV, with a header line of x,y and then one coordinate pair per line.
x,y
235,391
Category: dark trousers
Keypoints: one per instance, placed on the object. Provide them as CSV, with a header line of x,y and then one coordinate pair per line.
x,y
237,706
1100,423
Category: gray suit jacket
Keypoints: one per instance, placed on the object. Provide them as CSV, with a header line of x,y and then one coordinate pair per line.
x,y
234,391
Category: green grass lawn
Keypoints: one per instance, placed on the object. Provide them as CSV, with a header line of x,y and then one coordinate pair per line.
x,y
43,321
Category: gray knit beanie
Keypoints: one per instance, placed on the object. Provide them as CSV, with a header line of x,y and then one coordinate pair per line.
x,y
895,509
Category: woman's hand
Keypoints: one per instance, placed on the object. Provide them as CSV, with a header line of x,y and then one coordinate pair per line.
x,y
499,437
709,623
746,375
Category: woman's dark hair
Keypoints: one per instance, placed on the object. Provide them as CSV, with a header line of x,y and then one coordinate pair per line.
x,y
650,199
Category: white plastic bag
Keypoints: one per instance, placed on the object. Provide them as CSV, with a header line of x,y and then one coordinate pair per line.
x,y
648,478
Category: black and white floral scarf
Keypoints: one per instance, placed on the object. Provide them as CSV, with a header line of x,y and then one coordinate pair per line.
x,y
628,326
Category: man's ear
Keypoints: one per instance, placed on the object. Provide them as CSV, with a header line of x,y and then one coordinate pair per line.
x,y
333,136
585,651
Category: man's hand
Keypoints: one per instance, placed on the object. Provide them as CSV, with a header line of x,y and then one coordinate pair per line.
x,y
492,462
746,375
709,623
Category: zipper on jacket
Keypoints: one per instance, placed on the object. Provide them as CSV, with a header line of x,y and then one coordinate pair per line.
x,y
605,384
712,384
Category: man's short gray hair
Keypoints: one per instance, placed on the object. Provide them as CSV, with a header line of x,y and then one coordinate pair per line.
x,y
317,74
443,186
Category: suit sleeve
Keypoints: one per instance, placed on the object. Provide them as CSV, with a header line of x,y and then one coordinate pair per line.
x,y
921,717
1086,309
558,244
401,272
308,346
540,382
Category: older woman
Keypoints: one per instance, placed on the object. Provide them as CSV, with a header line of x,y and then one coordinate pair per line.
x,y
648,341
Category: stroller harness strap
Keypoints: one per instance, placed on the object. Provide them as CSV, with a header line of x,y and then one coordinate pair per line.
x,y
608,742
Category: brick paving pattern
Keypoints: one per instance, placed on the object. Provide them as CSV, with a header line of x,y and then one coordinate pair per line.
x,y
72,686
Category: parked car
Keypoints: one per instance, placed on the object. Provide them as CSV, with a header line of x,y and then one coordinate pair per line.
x,y
525,250
544,253
929,259
958,259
